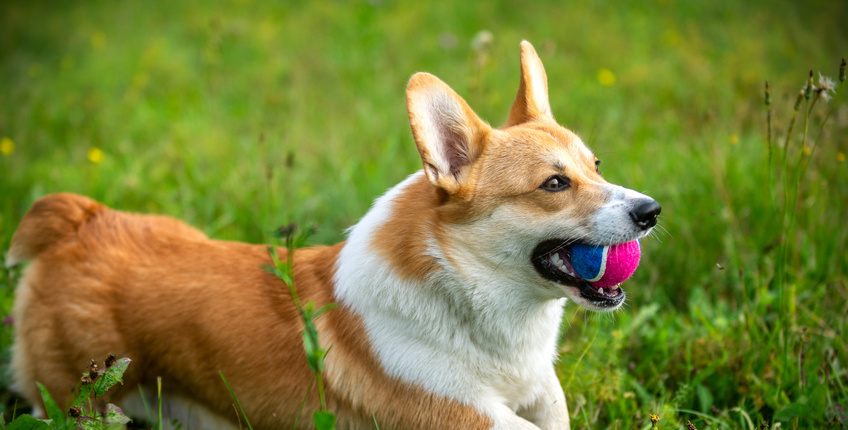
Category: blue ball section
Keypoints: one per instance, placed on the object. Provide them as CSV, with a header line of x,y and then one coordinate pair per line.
x,y
588,260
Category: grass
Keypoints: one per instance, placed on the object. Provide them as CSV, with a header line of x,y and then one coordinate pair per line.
x,y
190,109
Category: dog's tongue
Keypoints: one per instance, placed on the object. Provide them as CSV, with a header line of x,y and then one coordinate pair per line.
x,y
606,266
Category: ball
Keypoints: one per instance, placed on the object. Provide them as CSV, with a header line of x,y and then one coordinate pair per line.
x,y
605,266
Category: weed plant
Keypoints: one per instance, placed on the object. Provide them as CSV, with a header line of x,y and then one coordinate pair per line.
x,y
84,412
315,354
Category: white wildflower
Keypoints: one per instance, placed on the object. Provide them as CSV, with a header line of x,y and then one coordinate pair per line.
x,y
826,87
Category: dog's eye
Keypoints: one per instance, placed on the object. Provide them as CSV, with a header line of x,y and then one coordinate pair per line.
x,y
556,183
598,166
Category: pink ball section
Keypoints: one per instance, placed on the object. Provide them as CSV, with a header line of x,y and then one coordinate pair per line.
x,y
622,260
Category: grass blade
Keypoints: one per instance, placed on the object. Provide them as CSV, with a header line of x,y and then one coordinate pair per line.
x,y
159,397
235,399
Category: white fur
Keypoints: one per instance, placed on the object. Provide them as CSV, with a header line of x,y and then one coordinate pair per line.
x,y
611,223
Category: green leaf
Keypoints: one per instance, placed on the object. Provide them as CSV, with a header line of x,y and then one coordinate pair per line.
x,y
83,394
309,309
272,270
53,411
286,278
28,422
705,398
114,415
314,353
279,269
325,308
790,411
111,376
324,420
91,423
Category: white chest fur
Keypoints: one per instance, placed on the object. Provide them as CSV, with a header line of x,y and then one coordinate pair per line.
x,y
465,333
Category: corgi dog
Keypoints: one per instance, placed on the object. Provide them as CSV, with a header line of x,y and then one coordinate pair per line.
x,y
444,316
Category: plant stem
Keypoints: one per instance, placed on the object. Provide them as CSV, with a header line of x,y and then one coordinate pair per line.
x,y
798,172
321,391
303,402
791,126
821,130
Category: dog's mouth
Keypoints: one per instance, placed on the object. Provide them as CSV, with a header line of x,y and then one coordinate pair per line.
x,y
552,259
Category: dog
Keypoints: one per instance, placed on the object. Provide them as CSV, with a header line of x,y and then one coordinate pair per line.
x,y
444,317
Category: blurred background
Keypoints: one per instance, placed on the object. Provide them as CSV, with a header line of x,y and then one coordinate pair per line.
x,y
240,116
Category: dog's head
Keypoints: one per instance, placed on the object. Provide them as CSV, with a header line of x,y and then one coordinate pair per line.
x,y
522,194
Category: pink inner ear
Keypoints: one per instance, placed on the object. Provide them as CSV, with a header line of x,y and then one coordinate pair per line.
x,y
455,148
444,128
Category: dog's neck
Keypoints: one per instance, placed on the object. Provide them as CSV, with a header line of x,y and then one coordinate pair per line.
x,y
422,294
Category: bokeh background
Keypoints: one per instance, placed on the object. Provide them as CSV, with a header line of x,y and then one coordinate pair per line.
x,y
240,116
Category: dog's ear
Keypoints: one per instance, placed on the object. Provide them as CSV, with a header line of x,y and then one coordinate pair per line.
x,y
532,98
447,132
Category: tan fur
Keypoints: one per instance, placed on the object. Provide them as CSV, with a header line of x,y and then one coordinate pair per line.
x,y
183,307
400,240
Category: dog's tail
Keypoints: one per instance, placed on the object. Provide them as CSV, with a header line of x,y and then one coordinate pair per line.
x,y
51,219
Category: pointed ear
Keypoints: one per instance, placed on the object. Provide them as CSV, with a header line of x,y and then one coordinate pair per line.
x,y
532,98
446,131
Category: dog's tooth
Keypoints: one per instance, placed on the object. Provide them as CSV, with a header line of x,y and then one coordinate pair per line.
x,y
601,290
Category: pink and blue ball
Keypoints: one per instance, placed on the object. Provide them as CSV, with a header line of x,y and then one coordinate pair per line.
x,y
605,266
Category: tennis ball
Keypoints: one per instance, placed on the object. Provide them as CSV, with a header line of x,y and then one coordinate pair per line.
x,y
605,266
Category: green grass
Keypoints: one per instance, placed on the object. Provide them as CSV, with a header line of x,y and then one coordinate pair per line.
x,y
197,106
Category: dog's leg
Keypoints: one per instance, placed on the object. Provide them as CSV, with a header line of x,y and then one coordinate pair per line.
x,y
505,419
178,412
549,411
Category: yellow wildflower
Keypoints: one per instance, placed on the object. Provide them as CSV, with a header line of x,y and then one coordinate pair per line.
x,y
98,40
606,77
95,155
7,147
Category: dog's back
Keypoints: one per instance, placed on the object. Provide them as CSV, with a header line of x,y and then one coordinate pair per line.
x,y
103,281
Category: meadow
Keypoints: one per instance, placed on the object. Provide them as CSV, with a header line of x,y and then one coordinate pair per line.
x,y
241,116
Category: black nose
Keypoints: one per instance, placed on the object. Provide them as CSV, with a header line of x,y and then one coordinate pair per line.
x,y
644,213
